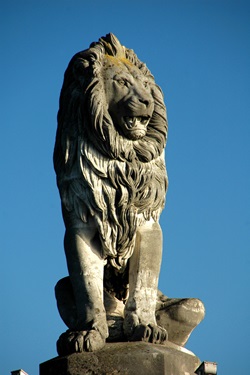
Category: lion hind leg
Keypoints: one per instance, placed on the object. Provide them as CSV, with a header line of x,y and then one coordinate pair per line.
x,y
66,303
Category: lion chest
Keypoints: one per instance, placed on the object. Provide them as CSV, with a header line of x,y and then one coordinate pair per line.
x,y
124,187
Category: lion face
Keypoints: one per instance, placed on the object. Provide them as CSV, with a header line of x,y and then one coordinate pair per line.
x,y
128,95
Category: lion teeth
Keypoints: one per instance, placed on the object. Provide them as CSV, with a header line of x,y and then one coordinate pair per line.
x,y
144,120
129,121
136,121
132,121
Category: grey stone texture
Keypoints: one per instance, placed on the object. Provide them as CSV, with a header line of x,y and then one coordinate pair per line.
x,y
134,358
111,175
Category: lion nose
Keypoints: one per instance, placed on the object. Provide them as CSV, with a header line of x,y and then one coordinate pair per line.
x,y
144,101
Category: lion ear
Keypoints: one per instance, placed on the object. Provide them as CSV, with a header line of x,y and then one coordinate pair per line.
x,y
82,63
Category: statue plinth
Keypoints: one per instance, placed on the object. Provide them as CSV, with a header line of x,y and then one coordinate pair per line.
x,y
124,358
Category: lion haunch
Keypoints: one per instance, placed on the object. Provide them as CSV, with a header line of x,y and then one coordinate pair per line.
x,y
111,175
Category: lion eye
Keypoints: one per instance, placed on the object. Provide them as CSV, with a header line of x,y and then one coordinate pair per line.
x,y
122,82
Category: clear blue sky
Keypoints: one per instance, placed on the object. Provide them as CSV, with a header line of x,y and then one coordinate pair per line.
x,y
199,53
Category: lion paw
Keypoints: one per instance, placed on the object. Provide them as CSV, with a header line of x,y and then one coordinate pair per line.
x,y
135,330
149,333
79,341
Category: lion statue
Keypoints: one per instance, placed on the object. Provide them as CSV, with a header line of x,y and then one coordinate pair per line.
x,y
111,175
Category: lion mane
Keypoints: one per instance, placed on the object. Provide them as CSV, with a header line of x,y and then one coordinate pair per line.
x,y
119,182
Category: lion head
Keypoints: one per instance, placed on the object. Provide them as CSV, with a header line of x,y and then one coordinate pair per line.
x,y
108,156
128,97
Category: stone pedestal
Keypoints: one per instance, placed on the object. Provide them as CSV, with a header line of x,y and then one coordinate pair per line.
x,y
133,358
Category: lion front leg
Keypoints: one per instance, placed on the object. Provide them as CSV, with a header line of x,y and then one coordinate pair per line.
x,y
140,322
86,268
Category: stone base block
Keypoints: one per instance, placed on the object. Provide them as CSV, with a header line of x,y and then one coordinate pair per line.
x,y
133,358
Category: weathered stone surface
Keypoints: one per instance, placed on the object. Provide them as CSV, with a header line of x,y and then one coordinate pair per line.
x,y
134,358
111,174
179,316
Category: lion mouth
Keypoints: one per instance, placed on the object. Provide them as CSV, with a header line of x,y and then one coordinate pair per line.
x,y
136,122
135,127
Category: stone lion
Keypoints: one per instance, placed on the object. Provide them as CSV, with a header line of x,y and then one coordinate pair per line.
x,y
111,175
